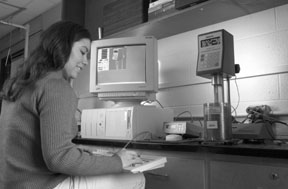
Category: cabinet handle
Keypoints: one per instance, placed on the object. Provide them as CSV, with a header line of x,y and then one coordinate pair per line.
x,y
275,176
165,175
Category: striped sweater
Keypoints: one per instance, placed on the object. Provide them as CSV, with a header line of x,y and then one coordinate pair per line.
x,y
35,139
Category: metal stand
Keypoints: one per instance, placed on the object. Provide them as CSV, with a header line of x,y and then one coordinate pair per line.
x,y
219,111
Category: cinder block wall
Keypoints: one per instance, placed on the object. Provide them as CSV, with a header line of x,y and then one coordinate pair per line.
x,y
261,50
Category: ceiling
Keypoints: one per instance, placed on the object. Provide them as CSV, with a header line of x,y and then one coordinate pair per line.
x,y
19,12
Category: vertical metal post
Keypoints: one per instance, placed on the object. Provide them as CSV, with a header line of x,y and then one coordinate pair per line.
x,y
217,82
228,99
100,32
26,50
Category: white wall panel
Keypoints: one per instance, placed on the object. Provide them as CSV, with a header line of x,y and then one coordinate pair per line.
x,y
262,54
260,49
251,25
283,86
256,89
282,17
186,96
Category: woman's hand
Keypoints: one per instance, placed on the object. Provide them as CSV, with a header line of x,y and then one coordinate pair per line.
x,y
129,158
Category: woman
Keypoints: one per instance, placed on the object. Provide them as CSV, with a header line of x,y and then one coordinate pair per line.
x,y
38,117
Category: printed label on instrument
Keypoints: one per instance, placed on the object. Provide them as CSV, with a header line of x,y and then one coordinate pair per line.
x,y
212,125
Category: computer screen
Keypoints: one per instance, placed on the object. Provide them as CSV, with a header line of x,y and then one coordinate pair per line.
x,y
124,69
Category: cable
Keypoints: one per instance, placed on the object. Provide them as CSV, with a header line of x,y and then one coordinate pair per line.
x,y
139,134
7,57
268,118
244,119
184,113
234,110
159,103
269,131
200,123
238,93
151,101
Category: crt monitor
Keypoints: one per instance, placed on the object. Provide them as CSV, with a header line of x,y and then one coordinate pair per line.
x,y
124,69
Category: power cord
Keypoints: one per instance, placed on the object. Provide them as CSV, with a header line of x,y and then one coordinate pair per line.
x,y
151,101
184,113
238,101
270,119
133,139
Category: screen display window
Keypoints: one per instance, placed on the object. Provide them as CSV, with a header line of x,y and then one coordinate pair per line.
x,y
124,64
211,42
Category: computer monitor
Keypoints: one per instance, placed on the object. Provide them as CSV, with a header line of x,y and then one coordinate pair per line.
x,y
124,69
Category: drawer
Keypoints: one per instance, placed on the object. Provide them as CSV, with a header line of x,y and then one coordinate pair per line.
x,y
227,175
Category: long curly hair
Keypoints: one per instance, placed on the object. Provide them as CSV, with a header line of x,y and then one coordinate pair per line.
x,y
51,54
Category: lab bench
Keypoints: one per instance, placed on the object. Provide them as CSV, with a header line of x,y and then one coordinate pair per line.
x,y
197,165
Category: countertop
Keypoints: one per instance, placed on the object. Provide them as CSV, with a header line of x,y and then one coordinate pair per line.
x,y
271,149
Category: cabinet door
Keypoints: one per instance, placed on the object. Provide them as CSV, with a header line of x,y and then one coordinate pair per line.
x,y
228,175
178,173
181,171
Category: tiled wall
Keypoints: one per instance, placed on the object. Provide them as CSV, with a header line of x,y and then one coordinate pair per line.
x,y
261,50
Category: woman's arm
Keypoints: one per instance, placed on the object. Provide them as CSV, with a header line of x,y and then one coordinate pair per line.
x,y
57,107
